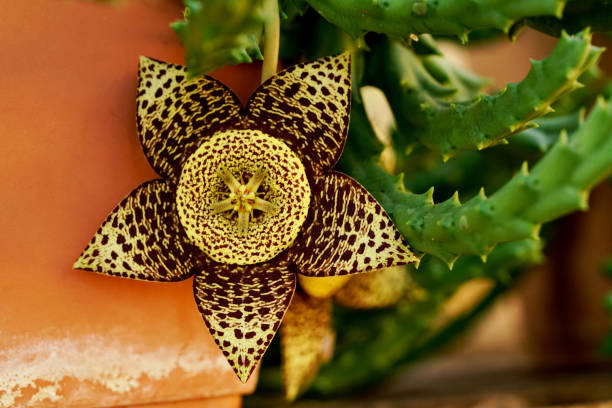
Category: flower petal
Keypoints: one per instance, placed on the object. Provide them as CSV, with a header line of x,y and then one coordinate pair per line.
x,y
142,239
243,307
347,231
175,115
380,288
307,340
307,106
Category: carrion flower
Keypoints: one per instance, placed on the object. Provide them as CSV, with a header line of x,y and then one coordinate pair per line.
x,y
247,200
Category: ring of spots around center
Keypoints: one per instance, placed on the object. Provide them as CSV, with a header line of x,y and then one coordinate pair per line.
x,y
243,152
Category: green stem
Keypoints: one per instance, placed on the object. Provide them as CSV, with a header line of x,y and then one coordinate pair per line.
x,y
271,40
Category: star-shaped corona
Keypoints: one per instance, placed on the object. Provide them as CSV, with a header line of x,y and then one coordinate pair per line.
x,y
242,199
247,199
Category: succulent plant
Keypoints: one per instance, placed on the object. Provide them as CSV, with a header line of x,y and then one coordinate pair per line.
x,y
502,164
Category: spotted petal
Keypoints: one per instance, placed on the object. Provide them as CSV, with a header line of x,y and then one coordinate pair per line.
x,y
142,239
307,340
307,106
347,231
175,115
243,307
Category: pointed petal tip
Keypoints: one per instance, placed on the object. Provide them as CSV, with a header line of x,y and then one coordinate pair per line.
x,y
242,306
346,55
291,393
406,257
411,256
244,365
144,60
81,264
128,246
244,373
361,236
78,265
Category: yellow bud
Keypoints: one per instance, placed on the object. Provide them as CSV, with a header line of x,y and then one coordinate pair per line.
x,y
322,287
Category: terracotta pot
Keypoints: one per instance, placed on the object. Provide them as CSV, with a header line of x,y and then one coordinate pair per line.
x,y
70,152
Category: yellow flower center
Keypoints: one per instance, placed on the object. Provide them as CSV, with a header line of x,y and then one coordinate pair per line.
x,y
243,197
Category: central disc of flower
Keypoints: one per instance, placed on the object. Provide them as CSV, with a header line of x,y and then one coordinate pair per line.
x,y
243,197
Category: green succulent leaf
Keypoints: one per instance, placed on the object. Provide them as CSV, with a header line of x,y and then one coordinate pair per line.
x,y
416,80
401,18
594,82
542,137
557,185
216,33
469,171
467,124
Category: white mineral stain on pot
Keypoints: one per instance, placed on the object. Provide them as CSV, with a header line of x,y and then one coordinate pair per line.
x,y
33,373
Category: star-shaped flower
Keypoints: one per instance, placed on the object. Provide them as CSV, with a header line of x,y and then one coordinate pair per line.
x,y
247,200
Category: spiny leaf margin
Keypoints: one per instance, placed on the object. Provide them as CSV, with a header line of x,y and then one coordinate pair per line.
x,y
557,185
487,120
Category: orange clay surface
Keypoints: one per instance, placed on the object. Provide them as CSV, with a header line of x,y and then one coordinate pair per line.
x,y
69,153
